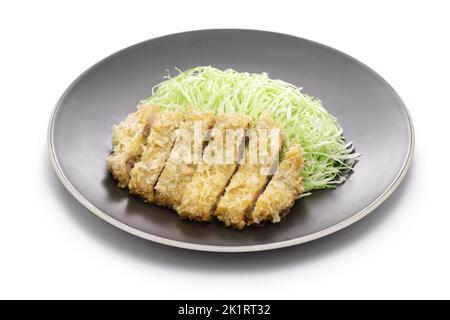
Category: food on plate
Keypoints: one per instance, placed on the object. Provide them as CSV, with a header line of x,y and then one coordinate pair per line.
x,y
128,140
145,172
181,165
212,176
251,177
282,191
303,118
236,146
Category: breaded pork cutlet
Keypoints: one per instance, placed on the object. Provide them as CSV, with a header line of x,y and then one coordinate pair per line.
x,y
128,140
202,193
186,153
145,173
282,191
252,175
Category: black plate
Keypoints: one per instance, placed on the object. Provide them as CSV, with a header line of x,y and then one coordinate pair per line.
x,y
371,113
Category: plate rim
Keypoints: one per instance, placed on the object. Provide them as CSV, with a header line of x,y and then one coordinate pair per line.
x,y
215,248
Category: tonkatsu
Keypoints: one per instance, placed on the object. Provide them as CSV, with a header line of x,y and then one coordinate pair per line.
x,y
146,171
219,164
128,139
182,162
251,177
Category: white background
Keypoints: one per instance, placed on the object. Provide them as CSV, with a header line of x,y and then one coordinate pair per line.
x,y
51,247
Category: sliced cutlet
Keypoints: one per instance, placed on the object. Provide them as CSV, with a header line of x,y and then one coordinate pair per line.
x,y
186,153
128,140
159,144
282,191
252,175
211,177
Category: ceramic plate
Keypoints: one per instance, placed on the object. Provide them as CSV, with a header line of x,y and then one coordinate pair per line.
x,y
369,110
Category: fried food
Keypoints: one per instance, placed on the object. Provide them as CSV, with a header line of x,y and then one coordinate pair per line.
x,y
145,173
282,191
128,140
182,163
252,176
219,164
159,155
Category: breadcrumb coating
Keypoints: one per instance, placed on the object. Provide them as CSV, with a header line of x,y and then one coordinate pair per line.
x,y
145,173
250,179
149,156
179,169
210,179
128,140
282,191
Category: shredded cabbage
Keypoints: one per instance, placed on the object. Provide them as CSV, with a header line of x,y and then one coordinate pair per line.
x,y
327,157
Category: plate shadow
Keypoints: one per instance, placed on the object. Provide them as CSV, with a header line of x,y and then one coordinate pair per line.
x,y
201,262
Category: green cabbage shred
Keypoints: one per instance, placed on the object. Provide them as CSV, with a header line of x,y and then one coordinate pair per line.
x,y
328,158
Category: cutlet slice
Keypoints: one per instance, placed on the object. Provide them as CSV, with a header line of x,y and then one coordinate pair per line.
x,y
281,192
182,163
128,140
261,153
220,160
159,144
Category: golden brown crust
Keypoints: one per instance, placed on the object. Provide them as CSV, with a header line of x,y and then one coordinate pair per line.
x,y
128,140
147,157
178,171
145,173
282,191
210,179
249,180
